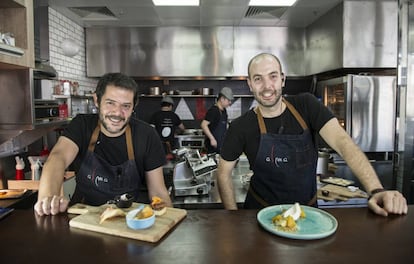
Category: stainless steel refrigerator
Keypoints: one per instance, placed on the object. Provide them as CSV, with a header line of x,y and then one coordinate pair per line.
x,y
365,107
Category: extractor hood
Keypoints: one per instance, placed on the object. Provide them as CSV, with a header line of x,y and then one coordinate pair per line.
x,y
43,70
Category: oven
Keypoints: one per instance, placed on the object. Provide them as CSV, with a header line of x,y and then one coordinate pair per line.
x,y
191,141
46,110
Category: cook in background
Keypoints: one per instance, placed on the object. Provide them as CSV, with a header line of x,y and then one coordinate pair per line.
x,y
278,138
215,122
112,154
166,122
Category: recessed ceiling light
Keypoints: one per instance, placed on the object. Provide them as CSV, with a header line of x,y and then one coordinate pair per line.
x,y
271,2
176,2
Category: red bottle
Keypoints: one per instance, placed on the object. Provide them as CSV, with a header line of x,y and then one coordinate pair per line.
x,y
63,110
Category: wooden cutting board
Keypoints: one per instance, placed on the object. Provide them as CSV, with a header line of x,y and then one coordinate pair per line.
x,y
9,194
90,215
340,193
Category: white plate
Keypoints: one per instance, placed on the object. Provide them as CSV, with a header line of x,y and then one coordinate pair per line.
x,y
317,223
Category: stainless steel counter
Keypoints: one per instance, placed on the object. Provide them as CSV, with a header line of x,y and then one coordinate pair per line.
x,y
213,200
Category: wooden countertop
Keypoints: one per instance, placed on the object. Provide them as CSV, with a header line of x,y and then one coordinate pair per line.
x,y
210,236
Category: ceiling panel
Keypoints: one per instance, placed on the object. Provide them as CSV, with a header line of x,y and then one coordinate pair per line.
x,y
209,13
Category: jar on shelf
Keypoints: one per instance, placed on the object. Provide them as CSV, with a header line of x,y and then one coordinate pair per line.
x,y
57,89
75,88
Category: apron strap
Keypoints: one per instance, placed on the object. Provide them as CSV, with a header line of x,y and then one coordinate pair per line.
x,y
291,108
94,137
168,146
296,114
130,147
128,136
260,119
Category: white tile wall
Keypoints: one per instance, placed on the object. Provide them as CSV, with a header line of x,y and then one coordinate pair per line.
x,y
68,68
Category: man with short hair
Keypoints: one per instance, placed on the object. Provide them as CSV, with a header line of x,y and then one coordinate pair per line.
x,y
278,138
113,154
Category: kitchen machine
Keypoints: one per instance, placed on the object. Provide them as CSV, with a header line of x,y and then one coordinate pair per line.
x,y
193,173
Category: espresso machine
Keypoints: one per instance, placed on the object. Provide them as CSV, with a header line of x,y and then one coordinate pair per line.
x,y
193,173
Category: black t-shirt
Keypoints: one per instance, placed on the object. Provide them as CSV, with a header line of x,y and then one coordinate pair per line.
x,y
148,150
243,135
166,122
213,116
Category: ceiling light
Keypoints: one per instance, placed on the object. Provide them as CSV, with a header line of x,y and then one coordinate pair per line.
x,y
271,2
176,2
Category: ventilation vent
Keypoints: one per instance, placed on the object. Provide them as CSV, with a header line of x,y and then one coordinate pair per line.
x,y
93,12
264,11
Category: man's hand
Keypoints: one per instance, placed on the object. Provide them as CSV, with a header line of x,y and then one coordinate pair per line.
x,y
388,202
213,143
51,205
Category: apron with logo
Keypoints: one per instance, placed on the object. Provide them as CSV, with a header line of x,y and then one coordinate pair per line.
x,y
285,167
98,181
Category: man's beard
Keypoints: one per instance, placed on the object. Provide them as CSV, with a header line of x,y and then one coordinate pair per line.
x,y
107,127
266,103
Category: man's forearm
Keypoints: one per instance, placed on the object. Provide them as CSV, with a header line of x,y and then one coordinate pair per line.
x,y
226,190
51,179
361,167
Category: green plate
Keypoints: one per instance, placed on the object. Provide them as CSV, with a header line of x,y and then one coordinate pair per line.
x,y
317,223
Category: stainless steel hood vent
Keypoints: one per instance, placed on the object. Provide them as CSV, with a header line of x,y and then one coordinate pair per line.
x,y
43,70
93,13
257,11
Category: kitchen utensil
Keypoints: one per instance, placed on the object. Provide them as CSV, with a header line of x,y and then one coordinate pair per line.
x,y
206,91
344,192
117,226
337,181
135,223
323,160
122,201
12,194
155,90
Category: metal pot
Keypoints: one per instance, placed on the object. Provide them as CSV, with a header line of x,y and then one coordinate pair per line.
x,y
155,90
207,91
204,91
322,165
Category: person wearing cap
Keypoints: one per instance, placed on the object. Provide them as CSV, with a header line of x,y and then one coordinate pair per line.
x,y
166,122
215,122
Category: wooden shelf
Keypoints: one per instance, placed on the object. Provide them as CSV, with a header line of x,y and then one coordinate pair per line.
x,y
16,17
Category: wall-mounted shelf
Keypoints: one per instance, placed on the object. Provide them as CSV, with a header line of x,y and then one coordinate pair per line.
x,y
16,17
11,50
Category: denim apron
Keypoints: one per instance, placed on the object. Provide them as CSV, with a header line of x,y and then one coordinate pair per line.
x,y
98,181
285,167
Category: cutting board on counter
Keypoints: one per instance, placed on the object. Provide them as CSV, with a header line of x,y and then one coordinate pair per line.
x,y
90,216
11,194
339,193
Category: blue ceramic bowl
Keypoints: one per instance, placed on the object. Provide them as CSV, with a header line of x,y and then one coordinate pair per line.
x,y
135,223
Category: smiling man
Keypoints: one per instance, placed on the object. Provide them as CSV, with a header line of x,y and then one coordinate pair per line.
x,y
279,140
112,153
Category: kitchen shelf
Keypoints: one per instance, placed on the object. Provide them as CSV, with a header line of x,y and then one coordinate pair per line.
x,y
11,50
73,103
16,17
